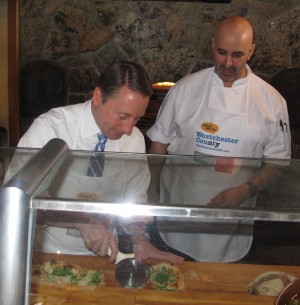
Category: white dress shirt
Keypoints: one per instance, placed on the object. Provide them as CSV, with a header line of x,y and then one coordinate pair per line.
x,y
125,177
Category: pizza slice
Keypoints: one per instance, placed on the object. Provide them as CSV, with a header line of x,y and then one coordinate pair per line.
x,y
164,276
59,272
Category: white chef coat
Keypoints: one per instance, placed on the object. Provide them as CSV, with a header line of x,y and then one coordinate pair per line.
x,y
125,177
199,116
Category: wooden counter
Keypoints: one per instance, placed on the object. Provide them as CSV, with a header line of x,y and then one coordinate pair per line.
x,y
206,283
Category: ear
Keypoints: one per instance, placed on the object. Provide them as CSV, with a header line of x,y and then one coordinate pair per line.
x,y
97,96
213,44
251,51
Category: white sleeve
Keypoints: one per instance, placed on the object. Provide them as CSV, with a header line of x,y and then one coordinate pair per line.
x,y
35,136
164,129
279,144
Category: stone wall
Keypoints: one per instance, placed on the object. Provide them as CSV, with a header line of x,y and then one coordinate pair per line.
x,y
170,38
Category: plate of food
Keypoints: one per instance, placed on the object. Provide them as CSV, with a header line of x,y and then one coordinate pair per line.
x,y
270,283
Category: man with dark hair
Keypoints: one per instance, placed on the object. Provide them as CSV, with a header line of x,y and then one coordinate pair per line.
x,y
119,100
124,73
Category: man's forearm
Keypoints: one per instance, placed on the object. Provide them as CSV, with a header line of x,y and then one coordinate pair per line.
x,y
265,178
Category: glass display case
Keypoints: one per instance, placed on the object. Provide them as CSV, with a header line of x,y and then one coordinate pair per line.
x,y
232,219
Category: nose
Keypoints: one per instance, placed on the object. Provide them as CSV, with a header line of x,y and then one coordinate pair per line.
x,y
127,126
228,61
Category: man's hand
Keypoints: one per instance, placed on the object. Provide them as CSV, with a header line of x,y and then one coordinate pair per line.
x,y
95,235
143,250
234,196
98,240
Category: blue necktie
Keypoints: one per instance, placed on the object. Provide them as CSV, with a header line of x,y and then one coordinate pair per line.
x,y
96,164
95,169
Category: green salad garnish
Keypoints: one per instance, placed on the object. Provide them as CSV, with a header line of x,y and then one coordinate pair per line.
x,y
163,278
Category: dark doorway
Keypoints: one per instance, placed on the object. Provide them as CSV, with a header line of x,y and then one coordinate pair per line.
x,y
43,85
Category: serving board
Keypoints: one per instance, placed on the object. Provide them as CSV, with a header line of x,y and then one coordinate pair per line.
x,y
205,283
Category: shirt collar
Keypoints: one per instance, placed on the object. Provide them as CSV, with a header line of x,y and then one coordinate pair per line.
x,y
242,81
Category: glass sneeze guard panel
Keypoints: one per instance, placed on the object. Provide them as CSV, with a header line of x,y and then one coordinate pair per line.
x,y
183,189
176,204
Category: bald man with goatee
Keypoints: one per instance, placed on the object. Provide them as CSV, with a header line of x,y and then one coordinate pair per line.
x,y
232,48
219,114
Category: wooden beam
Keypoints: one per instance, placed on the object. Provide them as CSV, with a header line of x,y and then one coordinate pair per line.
x,y
13,71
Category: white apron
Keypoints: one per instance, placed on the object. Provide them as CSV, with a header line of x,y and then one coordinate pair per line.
x,y
220,129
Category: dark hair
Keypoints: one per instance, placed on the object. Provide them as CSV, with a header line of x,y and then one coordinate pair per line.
x,y
121,73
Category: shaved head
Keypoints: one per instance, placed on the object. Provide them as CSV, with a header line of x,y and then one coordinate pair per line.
x,y
232,47
236,26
